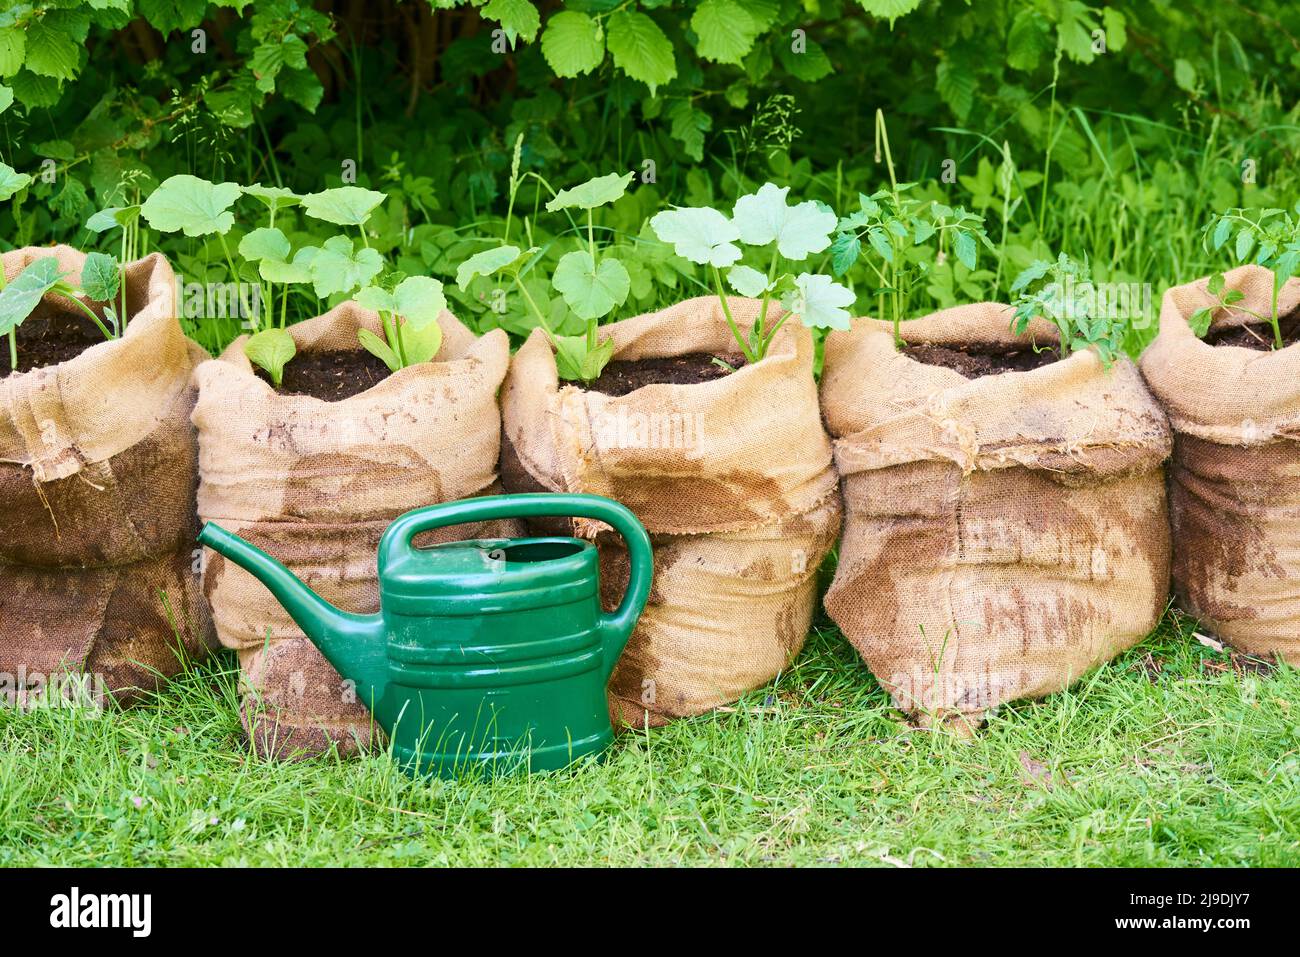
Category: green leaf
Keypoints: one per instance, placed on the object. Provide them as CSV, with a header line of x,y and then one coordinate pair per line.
x,y
11,181
724,30
640,49
1185,75
1245,243
518,18
889,10
376,299
879,240
485,264
798,231
598,191
299,270
965,248
6,97
591,290
379,348
420,300
23,293
818,302
337,267
844,252
112,217
1222,230
1200,321
271,349
422,343
13,48
1035,271
747,281
100,277
575,363
264,243
191,205
274,198
956,84
343,205
689,124
1029,39
700,234
573,43
809,65
50,51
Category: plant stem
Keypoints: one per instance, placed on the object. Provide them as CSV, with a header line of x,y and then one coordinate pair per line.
x,y
13,349
1051,143
532,304
1273,319
398,346
726,311
762,309
234,275
93,318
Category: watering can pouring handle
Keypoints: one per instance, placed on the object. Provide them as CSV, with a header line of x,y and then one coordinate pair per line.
x,y
616,627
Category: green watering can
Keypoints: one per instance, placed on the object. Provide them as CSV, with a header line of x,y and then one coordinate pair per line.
x,y
490,654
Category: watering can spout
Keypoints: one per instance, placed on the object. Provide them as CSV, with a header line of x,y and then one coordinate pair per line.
x,y
353,644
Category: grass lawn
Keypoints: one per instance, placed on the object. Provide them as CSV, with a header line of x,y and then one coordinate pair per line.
x,y
1172,754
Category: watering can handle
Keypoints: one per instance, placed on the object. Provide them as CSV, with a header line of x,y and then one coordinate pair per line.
x,y
617,627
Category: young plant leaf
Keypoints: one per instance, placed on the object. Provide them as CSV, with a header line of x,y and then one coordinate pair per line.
x,y
338,267
191,205
599,191
11,181
421,344
100,278
747,281
818,302
343,205
271,349
297,270
799,231
274,198
112,217
485,264
700,234
419,300
576,363
23,293
376,299
591,290
265,243
379,348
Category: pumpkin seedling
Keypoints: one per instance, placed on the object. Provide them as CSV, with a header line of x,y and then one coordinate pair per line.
x,y
1268,237
762,219
593,286
19,299
1061,296
12,183
409,314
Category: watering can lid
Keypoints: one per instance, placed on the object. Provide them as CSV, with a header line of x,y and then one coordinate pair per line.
x,y
489,575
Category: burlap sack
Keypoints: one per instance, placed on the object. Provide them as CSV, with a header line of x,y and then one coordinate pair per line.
x,y
732,478
1234,483
1002,534
315,484
98,469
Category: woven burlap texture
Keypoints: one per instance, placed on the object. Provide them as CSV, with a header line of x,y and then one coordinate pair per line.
x,y
98,468
315,484
1003,534
732,478
1234,481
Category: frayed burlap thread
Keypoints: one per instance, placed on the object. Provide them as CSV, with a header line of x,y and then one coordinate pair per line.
x,y
98,469
1234,481
1004,534
315,484
732,478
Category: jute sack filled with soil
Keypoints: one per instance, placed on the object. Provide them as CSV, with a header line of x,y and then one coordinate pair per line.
x,y
1234,482
1004,532
315,482
98,468
731,474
